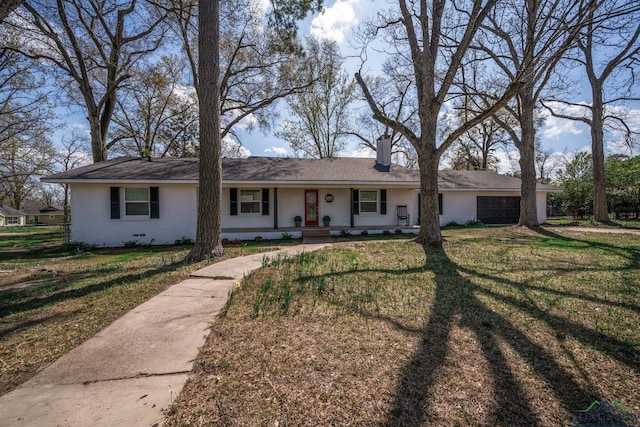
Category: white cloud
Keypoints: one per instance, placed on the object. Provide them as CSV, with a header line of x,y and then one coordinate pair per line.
x,y
363,152
82,128
278,151
263,6
555,126
617,142
619,146
334,21
233,149
507,161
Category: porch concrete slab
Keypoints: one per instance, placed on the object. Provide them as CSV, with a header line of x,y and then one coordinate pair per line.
x,y
128,372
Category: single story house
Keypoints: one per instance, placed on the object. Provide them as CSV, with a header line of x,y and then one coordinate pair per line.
x,y
45,215
155,199
10,217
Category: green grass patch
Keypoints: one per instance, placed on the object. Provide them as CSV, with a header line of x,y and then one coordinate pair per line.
x,y
616,223
54,296
31,229
506,326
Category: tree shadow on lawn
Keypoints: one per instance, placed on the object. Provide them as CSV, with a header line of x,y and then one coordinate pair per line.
x,y
458,302
20,326
35,300
631,254
456,297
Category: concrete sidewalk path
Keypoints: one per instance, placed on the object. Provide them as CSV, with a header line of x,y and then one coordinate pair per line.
x,y
130,371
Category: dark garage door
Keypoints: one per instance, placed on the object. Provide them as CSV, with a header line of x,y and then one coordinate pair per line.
x,y
498,210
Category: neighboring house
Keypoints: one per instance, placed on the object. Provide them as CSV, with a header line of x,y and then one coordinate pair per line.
x,y
45,215
155,199
10,217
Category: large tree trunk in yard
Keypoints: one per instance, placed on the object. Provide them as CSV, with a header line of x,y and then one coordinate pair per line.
x,y
98,147
600,211
429,235
528,205
208,242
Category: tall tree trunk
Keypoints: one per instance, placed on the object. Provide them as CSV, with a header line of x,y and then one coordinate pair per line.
x,y
429,235
210,175
528,206
98,147
65,206
428,159
600,211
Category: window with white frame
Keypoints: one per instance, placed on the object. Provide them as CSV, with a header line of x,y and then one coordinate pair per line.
x,y
250,201
12,220
136,201
368,201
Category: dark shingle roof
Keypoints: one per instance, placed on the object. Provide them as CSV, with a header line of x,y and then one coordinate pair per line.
x,y
343,170
39,208
133,169
252,169
8,210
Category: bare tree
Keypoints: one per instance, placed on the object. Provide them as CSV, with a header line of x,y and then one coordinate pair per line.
x,y
26,120
258,63
23,104
526,45
321,117
475,149
610,54
93,44
546,163
396,97
155,112
24,158
72,154
429,40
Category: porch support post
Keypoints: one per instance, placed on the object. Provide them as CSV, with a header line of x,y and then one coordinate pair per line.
x,y
275,208
351,207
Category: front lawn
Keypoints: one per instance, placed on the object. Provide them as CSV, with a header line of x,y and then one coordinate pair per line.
x,y
615,223
53,297
504,327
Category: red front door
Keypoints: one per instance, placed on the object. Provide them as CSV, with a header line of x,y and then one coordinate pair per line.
x,y
310,207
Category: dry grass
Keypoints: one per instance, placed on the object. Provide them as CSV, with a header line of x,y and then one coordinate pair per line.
x,y
53,298
505,327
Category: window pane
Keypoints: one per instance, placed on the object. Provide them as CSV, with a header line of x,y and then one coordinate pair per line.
x,y
249,207
368,196
136,208
368,201
136,194
368,207
249,195
250,201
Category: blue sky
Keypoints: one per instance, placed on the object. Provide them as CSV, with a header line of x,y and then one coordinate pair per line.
x,y
338,21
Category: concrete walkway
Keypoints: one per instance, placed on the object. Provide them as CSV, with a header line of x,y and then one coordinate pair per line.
x,y
134,368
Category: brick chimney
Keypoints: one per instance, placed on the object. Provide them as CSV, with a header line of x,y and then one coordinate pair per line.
x,y
383,151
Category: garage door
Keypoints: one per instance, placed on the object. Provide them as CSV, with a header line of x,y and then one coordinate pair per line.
x,y
498,210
